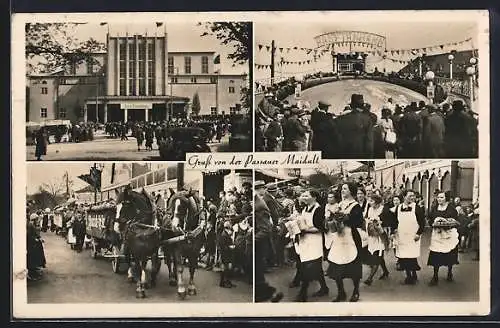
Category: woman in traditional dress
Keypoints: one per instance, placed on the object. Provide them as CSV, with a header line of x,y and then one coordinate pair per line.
x,y
309,246
390,223
443,250
410,220
377,239
344,244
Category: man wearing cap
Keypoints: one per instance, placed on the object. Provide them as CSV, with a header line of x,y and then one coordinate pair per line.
x,y
433,134
411,133
460,133
325,136
263,246
356,129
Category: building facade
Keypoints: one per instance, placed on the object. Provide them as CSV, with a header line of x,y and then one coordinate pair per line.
x,y
460,178
136,79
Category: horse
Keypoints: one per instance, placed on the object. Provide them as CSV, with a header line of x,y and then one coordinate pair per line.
x,y
141,236
185,219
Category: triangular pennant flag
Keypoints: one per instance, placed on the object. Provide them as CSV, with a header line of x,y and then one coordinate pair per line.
x,y
295,48
287,50
308,61
281,49
260,46
442,46
268,48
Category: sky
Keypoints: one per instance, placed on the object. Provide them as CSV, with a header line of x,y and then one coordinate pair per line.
x,y
52,173
181,37
399,35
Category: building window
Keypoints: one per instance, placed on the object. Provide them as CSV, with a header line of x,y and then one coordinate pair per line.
x,y
187,65
204,65
170,65
43,112
123,69
131,73
45,91
193,80
173,80
44,82
232,110
142,69
150,179
90,66
213,110
213,79
62,112
231,89
151,70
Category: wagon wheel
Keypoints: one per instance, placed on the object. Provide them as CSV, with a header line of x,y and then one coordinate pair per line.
x,y
93,250
115,262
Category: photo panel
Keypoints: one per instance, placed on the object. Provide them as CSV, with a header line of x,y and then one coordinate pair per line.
x,y
143,90
137,232
371,232
369,87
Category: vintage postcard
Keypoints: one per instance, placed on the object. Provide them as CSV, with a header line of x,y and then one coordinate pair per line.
x,y
250,164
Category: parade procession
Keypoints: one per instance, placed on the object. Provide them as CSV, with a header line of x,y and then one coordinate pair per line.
x,y
198,224
349,231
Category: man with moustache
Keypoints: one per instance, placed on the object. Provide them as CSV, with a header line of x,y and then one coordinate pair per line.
x,y
356,129
325,136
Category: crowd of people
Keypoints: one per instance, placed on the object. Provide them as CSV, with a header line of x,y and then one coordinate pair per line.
x,y
146,132
351,225
413,131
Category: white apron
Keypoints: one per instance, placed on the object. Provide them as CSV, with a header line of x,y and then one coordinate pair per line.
x,y
310,244
443,241
406,246
342,246
375,243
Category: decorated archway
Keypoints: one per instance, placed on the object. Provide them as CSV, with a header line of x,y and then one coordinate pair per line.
x,y
349,49
446,182
407,184
415,186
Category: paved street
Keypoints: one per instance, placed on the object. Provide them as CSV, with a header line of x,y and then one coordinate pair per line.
x,y
108,149
72,277
465,288
376,93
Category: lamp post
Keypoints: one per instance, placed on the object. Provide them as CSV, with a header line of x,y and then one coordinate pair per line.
x,y
429,77
450,59
471,71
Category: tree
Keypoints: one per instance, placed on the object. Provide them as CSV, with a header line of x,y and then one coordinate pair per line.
x,y
196,107
239,36
50,46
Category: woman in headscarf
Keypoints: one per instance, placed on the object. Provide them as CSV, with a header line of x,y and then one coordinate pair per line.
x,y
443,250
344,244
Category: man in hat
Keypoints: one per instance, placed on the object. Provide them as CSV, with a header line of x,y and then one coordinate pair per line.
x,y
356,129
460,133
433,134
411,133
325,137
262,237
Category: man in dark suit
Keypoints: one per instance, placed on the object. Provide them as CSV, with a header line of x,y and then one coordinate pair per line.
x,y
460,133
356,129
433,134
411,133
326,137
294,131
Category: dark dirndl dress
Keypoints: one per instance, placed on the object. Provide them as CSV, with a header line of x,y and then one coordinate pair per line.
x,y
438,259
311,270
371,259
409,264
352,270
